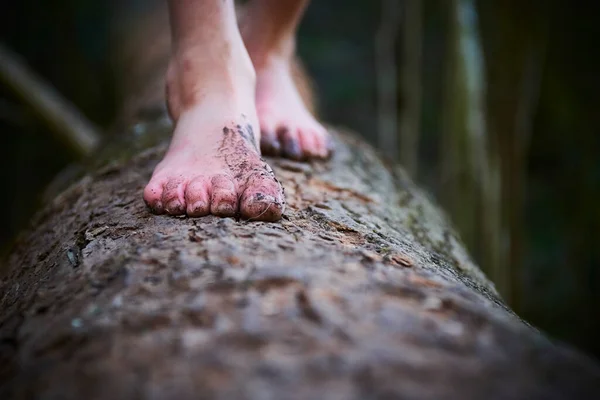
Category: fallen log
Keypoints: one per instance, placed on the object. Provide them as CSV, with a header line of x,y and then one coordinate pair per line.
x,y
362,291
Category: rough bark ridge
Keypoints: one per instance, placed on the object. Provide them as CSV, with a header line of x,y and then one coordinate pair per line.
x,y
361,291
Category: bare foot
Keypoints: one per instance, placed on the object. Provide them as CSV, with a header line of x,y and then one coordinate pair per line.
x,y
213,165
287,126
219,172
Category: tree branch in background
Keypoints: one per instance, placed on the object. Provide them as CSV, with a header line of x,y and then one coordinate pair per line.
x,y
387,80
61,117
410,114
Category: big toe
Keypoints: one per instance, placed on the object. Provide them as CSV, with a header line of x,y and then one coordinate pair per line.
x,y
290,143
269,142
224,199
263,199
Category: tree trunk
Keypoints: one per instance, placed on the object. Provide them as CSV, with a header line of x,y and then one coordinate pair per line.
x,y
361,291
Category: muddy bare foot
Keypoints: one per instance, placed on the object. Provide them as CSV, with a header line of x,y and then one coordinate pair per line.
x,y
213,166
287,126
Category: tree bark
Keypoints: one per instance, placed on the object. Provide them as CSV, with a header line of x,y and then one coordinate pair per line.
x,y
361,291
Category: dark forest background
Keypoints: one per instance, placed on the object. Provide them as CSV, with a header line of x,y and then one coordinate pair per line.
x,y
492,106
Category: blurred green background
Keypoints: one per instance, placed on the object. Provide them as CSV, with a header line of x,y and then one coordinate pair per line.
x,y
492,106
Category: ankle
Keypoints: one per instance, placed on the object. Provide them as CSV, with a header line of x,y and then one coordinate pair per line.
x,y
265,50
199,74
229,59
272,60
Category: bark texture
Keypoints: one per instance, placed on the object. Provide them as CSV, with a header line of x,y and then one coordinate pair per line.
x,y
362,291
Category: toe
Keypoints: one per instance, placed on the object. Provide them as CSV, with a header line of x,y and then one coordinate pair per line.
x,y
197,198
269,143
173,197
224,200
153,196
323,143
290,143
329,144
262,199
310,144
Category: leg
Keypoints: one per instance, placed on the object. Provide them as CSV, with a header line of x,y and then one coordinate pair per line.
x,y
287,126
213,165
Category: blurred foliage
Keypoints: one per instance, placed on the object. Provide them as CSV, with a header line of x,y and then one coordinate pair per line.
x,y
551,205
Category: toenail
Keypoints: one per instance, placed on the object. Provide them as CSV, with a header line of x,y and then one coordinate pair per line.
x,y
174,207
275,147
270,147
263,207
198,207
224,209
267,199
157,208
264,199
291,148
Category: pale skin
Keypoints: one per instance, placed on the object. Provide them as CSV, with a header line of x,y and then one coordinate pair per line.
x,y
230,92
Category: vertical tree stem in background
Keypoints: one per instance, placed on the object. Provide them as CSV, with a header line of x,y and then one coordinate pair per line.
x,y
515,49
386,76
410,114
470,164
485,166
